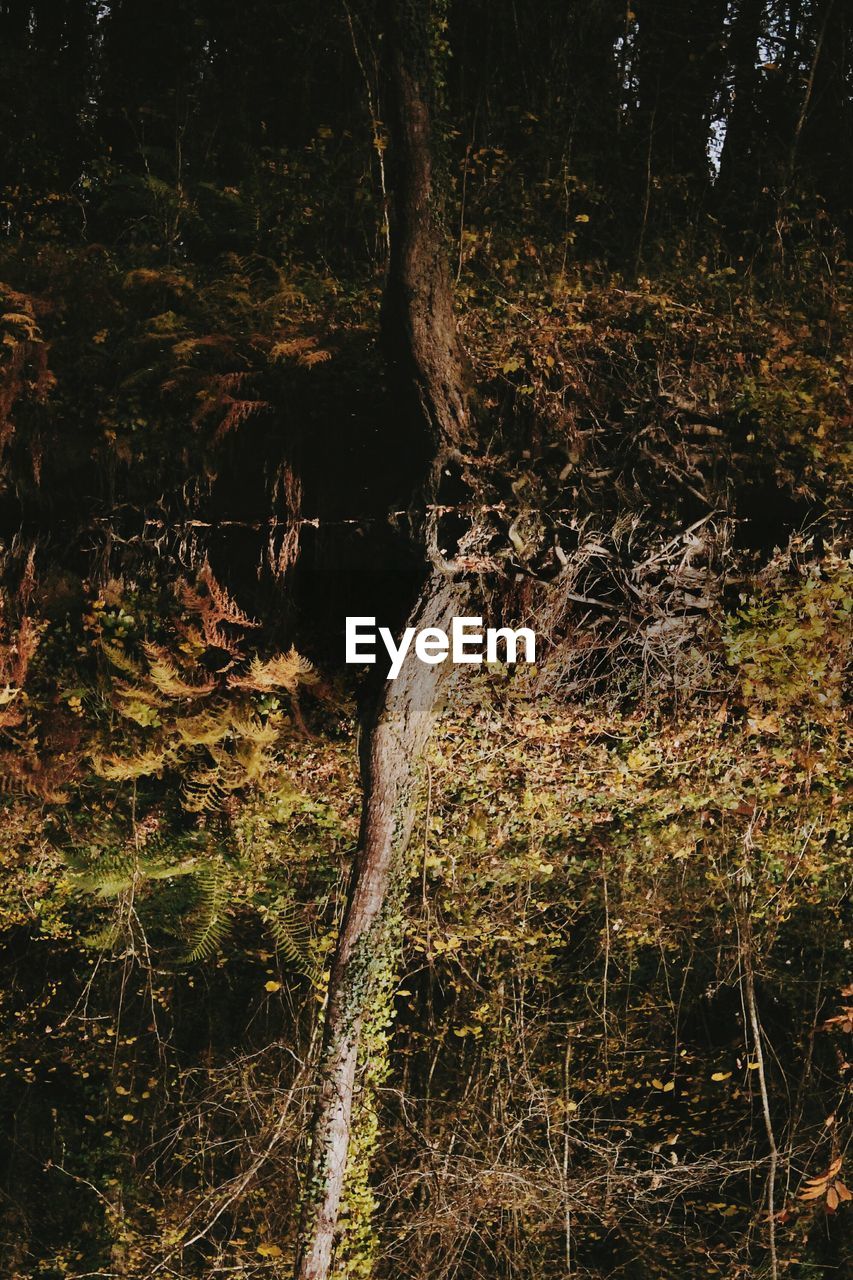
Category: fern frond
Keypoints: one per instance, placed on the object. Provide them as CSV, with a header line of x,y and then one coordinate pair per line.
x,y
306,351
138,693
189,346
232,381
21,320
203,793
262,733
115,874
168,680
233,772
209,923
169,870
163,277
226,609
253,762
237,412
192,600
16,658
312,358
290,934
203,730
107,877
242,767
104,939
32,787
127,768
284,671
120,660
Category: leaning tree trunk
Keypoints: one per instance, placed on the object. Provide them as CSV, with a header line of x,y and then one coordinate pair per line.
x,y
426,361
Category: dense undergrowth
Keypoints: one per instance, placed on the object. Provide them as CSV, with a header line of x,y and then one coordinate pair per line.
x,y
615,1039
623,979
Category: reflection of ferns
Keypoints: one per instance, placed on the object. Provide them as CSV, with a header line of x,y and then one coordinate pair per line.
x,y
214,609
208,924
106,938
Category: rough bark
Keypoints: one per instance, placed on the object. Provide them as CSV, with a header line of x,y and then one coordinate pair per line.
x,y
419,327
403,724
425,355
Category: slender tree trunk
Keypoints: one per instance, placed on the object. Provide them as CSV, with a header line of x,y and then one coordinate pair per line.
x,y
425,357
738,163
405,718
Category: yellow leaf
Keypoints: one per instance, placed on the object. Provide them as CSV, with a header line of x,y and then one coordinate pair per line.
x,y
272,986
269,1250
763,724
721,1075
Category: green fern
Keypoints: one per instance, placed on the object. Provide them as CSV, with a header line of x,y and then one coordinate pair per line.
x,y
197,915
290,933
208,925
117,873
104,939
121,660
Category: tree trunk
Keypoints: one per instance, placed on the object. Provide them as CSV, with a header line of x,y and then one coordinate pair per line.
x,y
406,716
824,146
426,360
739,163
